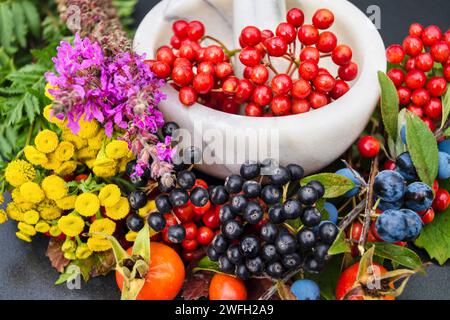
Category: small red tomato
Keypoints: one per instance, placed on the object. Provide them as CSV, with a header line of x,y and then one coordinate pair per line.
x,y
368,146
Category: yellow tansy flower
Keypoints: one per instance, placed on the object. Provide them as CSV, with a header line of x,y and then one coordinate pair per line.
x,y
3,216
23,236
89,163
97,141
68,245
32,192
48,87
86,153
104,225
116,149
104,171
109,195
50,117
54,187
25,206
98,245
118,211
48,210
14,211
149,207
66,168
34,156
31,217
65,151
55,231
87,204
18,172
42,227
71,225
78,142
66,203
17,196
26,229
88,129
70,255
46,141
2,198
83,251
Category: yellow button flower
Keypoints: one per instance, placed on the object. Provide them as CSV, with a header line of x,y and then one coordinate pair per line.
x,y
70,255
68,245
17,196
65,151
31,217
32,192
96,142
118,211
23,236
88,129
48,87
86,153
116,149
25,206
46,141
104,225
50,117
42,227
105,171
54,187
66,168
48,210
66,203
2,198
18,172
83,251
3,216
87,204
149,207
55,231
14,211
71,225
34,156
78,142
26,229
109,195
98,245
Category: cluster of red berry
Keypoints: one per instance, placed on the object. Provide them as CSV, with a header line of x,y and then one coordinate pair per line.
x,y
422,71
205,74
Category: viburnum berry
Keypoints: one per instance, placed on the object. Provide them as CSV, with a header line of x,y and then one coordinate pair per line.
x,y
250,57
418,111
341,87
182,76
182,62
435,186
296,17
324,83
327,42
266,34
416,29
276,46
180,29
429,123
395,54
286,31
410,64
308,35
300,106
369,146
280,105
318,100
441,200
196,30
424,62
431,35
244,91
428,216
188,96
187,51
206,67
446,72
214,54
342,55
250,36
397,76
191,230
230,85
211,220
247,72
223,70
437,86
230,106
415,79
301,89
259,75
281,84
175,42
412,45
308,70
165,54
262,95
310,54
433,109
420,97
253,110
348,72
404,95
440,52
161,69
323,19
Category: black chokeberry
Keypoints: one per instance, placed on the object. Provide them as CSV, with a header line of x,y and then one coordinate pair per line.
x,y
199,197
328,232
178,197
137,181
192,155
275,270
225,265
285,243
137,199
169,128
178,164
165,188
280,176
242,272
253,213
135,222
225,213
321,252
291,261
212,254
268,165
307,195
269,253
233,183
238,203
219,195
271,194
255,265
176,233
252,189
297,172
129,168
306,239
312,265
186,179
276,214
311,217
268,232
318,186
220,243
250,246
163,203
250,170
232,229
292,209
234,255
156,221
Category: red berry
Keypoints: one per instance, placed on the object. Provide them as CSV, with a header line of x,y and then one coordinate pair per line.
x,y
187,51
415,79
276,46
262,95
415,29
175,42
327,42
348,72
205,67
182,62
433,109
404,96
253,110
287,32
230,106
281,84
205,235
318,100
211,220
447,72
200,183
441,200
182,76
296,17
244,91
435,186
355,231
420,97
203,83
324,71
418,111
429,123
230,85
266,34
310,54
281,105
341,87
397,76
324,83
437,86
300,106
428,216
389,165
301,89
342,55
180,29
410,64
424,62
247,72
431,35
440,51
161,69
214,54
200,211
395,54
308,70
191,230
188,96
308,35
165,54
368,146
323,19
250,57
250,36
196,30
223,70
259,75
412,45
189,245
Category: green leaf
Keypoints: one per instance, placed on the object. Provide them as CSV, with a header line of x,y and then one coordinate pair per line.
x,y
141,245
32,17
207,265
423,148
435,237
335,184
340,245
31,105
445,107
389,104
20,27
6,27
397,254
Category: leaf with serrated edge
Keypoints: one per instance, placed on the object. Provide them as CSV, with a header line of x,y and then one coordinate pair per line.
x,y
423,148
335,185
389,104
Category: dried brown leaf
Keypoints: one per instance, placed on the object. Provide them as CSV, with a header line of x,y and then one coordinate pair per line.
x,y
196,285
56,256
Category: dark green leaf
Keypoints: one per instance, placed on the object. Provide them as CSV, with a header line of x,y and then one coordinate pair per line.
x,y
423,148
32,17
389,104
335,184
340,245
207,265
397,254
6,27
20,27
445,106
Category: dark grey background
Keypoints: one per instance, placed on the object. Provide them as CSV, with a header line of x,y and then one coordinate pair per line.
x,y
26,273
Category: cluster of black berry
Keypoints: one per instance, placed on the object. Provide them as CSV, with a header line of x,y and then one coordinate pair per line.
x,y
247,200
